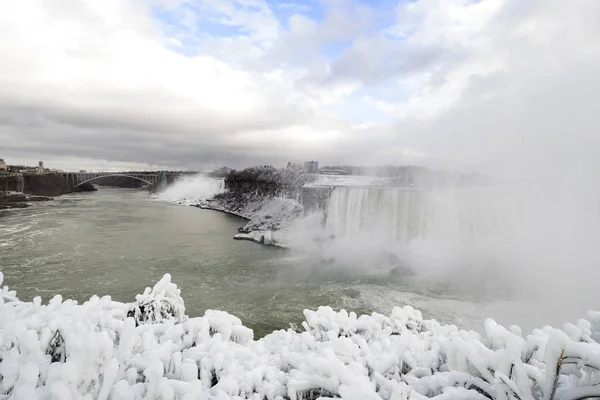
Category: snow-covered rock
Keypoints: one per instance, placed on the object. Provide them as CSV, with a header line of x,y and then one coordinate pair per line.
x,y
269,217
66,350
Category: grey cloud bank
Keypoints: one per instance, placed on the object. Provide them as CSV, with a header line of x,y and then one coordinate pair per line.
x,y
504,87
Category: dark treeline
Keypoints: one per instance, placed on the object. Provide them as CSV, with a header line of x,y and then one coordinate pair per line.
x,y
269,181
266,176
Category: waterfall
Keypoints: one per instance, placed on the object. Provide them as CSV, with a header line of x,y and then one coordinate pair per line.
x,y
541,227
405,214
192,188
20,183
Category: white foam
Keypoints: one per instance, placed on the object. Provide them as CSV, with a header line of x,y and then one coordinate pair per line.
x,y
192,189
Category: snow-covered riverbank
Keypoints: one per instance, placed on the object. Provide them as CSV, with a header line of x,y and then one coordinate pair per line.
x,y
150,349
269,217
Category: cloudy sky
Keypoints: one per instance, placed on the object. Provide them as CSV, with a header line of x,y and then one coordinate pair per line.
x,y
477,85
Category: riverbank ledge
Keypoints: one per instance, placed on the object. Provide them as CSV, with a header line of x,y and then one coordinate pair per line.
x,y
18,200
268,217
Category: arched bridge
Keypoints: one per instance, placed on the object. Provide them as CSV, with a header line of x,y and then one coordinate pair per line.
x,y
151,178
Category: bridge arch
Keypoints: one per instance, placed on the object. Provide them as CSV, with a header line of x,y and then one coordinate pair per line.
x,y
109,175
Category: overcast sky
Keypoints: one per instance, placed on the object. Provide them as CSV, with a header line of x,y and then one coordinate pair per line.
x,y
491,85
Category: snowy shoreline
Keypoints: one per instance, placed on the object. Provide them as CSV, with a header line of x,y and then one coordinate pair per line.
x,y
150,349
268,217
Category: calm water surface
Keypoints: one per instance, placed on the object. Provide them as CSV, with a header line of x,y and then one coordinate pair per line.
x,y
118,241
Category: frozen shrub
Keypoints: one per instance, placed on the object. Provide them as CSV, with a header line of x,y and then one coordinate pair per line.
x,y
56,348
159,304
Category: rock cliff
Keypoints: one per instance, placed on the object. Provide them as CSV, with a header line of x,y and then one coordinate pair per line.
x,y
34,188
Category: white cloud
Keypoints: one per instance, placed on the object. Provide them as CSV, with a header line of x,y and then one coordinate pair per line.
x,y
461,83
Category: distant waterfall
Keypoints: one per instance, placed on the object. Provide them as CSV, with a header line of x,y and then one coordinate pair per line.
x,y
193,188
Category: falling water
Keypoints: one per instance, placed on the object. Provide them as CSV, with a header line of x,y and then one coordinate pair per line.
x,y
550,229
192,188
405,214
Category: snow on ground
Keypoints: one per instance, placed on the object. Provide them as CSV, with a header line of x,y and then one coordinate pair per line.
x,y
150,349
269,217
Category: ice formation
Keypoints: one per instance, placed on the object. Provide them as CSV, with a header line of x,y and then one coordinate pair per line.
x,y
269,217
101,349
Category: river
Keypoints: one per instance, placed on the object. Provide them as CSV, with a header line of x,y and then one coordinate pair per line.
x,y
118,241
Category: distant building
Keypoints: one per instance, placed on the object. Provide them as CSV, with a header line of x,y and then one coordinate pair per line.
x,y
40,168
3,166
82,171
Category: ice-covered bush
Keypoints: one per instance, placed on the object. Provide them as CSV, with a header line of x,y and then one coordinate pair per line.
x,y
65,350
159,304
